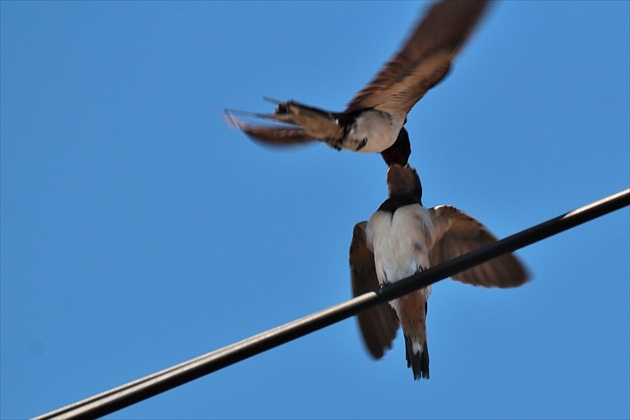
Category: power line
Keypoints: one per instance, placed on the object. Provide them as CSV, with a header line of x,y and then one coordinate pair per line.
x,y
149,386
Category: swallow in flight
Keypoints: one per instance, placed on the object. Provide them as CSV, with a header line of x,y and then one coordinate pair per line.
x,y
374,119
401,238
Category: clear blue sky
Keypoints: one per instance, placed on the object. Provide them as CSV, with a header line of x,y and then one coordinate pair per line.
x,y
139,230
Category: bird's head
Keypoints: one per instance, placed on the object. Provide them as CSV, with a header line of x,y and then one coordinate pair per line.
x,y
403,181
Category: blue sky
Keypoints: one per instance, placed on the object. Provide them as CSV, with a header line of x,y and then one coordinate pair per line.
x,y
139,230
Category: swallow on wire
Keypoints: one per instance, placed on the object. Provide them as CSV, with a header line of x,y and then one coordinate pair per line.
x,y
402,238
374,120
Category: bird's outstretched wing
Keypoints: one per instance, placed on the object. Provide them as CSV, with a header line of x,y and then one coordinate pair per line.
x,y
379,324
424,59
457,234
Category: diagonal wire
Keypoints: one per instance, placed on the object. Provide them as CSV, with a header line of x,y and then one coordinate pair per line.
x,y
151,385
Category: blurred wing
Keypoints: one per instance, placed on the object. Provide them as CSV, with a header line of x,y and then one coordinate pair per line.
x,y
379,324
424,60
462,234
271,135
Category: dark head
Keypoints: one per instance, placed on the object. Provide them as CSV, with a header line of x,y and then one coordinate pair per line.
x,y
404,181
399,151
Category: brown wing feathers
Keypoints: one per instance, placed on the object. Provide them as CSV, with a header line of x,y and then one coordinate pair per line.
x,y
464,234
424,59
379,324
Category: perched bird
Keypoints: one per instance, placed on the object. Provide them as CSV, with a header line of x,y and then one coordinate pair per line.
x,y
402,238
373,121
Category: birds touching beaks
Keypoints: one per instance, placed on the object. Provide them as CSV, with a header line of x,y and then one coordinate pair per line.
x,y
402,238
373,120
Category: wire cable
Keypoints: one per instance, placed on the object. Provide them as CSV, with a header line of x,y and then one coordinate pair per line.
x,y
151,385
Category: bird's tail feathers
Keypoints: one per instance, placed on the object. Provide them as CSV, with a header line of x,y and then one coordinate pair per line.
x,y
316,122
231,116
417,358
319,123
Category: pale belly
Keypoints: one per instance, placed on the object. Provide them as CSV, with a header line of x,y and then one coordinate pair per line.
x,y
400,242
373,132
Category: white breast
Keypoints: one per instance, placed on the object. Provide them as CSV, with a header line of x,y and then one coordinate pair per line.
x,y
380,130
400,242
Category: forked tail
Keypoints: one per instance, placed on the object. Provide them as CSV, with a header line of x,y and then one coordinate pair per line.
x,y
417,359
321,124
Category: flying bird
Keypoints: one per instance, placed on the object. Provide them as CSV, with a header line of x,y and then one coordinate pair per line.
x,y
374,119
401,238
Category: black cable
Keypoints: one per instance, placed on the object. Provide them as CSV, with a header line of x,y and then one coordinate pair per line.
x,y
149,386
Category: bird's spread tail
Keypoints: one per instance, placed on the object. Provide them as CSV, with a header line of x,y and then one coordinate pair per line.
x,y
320,124
417,358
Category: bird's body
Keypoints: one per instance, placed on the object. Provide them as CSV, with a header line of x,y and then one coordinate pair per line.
x,y
368,131
402,238
373,120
